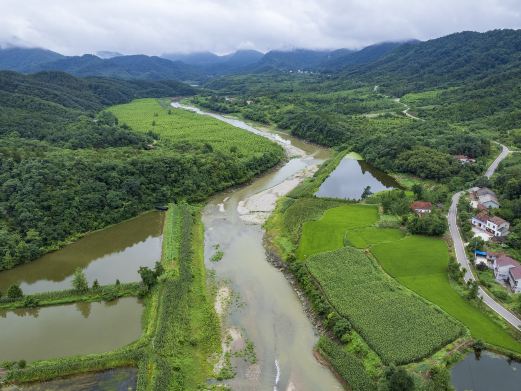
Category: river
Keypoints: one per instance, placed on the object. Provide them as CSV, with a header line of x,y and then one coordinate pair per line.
x,y
271,314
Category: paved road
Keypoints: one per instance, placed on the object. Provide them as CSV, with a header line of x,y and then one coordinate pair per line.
x,y
459,248
493,167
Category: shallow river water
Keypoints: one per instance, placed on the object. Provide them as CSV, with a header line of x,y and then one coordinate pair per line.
x,y
271,316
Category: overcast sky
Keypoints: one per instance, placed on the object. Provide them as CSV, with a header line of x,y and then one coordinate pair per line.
x,y
222,26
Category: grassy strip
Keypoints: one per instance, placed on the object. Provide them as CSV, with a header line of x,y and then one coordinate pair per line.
x,y
310,186
103,293
187,327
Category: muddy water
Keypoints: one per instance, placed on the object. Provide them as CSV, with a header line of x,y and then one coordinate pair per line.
x,y
81,328
106,255
272,316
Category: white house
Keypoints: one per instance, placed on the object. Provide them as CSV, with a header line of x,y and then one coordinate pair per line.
x,y
492,224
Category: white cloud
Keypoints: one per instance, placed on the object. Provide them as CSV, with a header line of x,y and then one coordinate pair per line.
x,y
158,26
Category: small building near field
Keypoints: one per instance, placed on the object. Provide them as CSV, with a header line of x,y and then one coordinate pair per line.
x,y
464,159
492,224
421,207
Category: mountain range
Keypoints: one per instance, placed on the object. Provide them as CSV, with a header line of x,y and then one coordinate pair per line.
x,y
418,64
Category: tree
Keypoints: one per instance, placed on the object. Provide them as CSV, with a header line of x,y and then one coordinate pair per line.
x,y
366,193
398,379
15,292
433,224
440,379
159,269
476,244
79,281
473,290
417,189
95,285
148,276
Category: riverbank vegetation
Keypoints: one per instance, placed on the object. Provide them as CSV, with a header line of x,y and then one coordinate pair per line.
x,y
178,343
79,170
316,238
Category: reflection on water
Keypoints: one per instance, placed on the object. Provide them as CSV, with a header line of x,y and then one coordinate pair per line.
x,y
488,373
351,177
120,379
106,255
80,328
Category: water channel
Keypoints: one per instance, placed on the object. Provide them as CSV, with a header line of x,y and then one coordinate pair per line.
x,y
113,253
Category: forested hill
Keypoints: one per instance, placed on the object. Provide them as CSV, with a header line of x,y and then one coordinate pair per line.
x,y
48,105
66,168
465,56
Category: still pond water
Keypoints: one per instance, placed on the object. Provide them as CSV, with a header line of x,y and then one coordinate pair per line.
x,y
66,330
489,373
121,379
352,176
106,255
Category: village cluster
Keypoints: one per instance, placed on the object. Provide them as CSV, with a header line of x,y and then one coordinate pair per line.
x,y
485,225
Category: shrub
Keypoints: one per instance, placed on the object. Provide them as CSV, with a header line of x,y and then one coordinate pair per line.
x,y
15,292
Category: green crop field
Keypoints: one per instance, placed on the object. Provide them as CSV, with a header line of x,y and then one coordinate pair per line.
x,y
420,263
181,126
397,324
365,237
327,233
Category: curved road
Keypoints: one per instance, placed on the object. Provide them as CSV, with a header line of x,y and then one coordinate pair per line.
x,y
461,255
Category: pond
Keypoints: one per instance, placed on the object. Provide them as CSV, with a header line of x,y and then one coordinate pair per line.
x,y
490,372
113,253
119,379
66,330
352,176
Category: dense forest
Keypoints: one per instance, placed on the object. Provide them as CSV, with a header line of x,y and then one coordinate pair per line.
x,y
66,168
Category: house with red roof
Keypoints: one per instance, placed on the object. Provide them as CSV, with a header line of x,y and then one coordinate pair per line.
x,y
421,207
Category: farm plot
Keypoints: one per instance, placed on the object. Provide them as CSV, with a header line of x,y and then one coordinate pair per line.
x,y
398,325
182,127
365,237
328,233
420,263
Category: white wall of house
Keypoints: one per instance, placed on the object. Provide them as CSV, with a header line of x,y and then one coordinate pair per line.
x,y
501,272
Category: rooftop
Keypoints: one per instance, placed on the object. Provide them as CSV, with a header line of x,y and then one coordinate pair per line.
x,y
497,220
421,205
505,260
515,272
